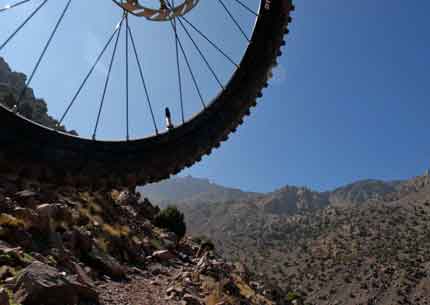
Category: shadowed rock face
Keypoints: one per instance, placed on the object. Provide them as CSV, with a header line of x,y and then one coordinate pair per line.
x,y
11,86
291,199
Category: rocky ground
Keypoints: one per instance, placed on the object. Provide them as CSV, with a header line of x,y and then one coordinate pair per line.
x,y
69,246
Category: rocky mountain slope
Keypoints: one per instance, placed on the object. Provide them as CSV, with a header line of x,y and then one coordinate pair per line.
x,y
192,191
363,191
12,85
78,247
366,243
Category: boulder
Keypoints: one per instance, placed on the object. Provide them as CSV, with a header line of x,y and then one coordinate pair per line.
x,y
106,264
58,212
27,197
78,240
163,255
169,239
42,284
231,288
27,216
191,300
6,272
4,297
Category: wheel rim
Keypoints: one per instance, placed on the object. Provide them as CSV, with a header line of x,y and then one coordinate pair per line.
x,y
181,27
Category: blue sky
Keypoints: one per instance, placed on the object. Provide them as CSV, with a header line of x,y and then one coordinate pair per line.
x,y
349,100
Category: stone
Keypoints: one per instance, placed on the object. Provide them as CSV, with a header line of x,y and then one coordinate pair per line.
x,y
203,262
106,264
28,216
42,284
78,240
4,297
55,211
169,239
191,300
163,255
175,290
6,272
231,288
9,283
27,197
26,194
82,275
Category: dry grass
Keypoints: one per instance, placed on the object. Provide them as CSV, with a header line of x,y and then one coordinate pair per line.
x,y
10,221
93,218
216,295
115,195
103,244
116,231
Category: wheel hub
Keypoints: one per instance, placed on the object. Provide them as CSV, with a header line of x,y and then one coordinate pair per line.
x,y
164,12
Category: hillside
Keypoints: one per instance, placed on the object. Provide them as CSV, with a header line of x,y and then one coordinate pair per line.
x,y
62,245
363,191
371,245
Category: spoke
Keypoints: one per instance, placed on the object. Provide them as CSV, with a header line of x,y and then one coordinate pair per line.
x,y
234,20
63,13
126,78
23,24
178,67
143,79
201,55
246,7
189,66
10,6
107,81
89,73
210,41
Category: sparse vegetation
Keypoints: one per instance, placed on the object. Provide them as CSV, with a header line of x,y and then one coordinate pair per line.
x,y
171,219
10,221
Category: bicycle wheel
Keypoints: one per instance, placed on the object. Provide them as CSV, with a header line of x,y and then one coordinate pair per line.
x,y
51,154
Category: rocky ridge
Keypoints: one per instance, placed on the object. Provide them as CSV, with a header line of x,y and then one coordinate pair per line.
x,y
193,191
12,85
189,193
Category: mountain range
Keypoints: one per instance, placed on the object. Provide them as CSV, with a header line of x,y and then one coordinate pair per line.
x,y
364,243
192,191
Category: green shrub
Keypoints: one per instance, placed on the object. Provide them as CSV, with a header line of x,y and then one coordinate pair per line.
x,y
171,219
204,241
292,296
